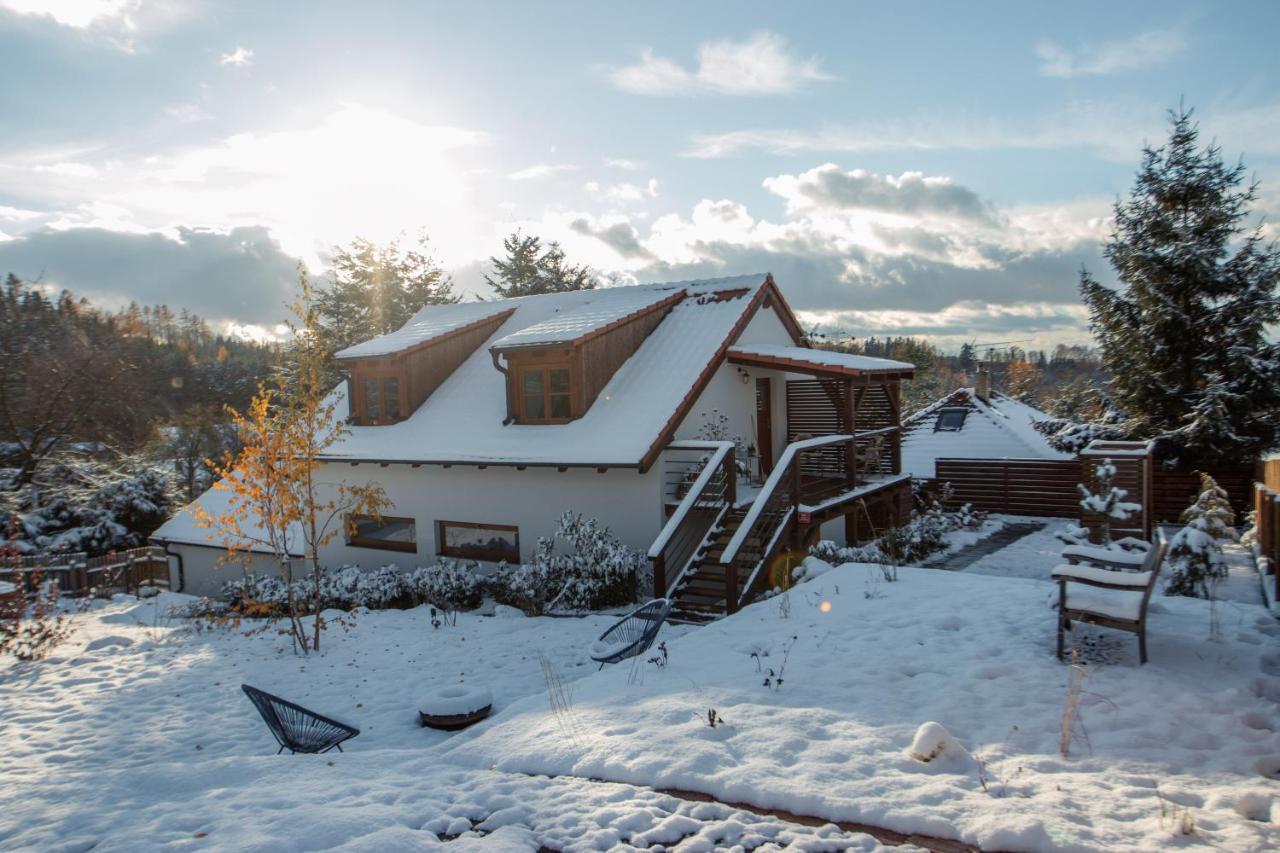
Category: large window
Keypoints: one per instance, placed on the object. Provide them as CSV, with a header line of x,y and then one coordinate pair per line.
x,y
389,533
476,541
545,395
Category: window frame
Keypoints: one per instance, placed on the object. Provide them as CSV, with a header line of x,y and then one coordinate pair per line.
x,y
354,540
962,412
545,368
379,373
469,553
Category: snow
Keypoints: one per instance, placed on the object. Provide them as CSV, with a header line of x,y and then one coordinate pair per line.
x,y
1138,580
868,662
1107,555
998,429
431,321
454,700
462,420
823,358
595,310
1118,604
149,744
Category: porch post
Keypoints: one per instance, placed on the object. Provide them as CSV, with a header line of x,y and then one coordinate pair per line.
x,y
851,401
730,478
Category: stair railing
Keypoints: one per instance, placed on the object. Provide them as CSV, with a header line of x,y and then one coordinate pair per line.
x,y
774,512
704,503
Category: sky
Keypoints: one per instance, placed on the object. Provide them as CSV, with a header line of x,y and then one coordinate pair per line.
x,y
936,169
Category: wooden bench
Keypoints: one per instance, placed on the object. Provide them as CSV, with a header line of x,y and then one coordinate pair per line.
x,y
1108,590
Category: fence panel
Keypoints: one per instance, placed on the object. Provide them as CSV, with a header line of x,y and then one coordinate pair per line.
x,y
1036,487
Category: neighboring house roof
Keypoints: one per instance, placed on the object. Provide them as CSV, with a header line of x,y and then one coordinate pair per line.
x,y
183,528
639,408
999,428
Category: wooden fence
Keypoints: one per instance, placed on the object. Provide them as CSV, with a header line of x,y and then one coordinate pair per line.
x,y
1266,508
1044,487
1037,487
77,573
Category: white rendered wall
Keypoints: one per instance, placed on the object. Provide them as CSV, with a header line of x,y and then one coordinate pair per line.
x,y
625,501
201,573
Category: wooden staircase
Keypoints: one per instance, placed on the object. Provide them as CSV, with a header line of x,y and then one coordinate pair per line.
x,y
700,595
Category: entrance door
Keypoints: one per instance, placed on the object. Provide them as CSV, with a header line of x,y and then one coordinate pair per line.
x,y
764,424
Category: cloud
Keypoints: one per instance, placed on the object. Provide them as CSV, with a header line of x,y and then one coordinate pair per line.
x,y
1143,50
1114,129
626,165
239,57
827,187
539,171
79,14
624,192
622,237
240,274
760,65
352,171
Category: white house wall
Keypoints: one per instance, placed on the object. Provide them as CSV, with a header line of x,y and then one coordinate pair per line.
x,y
625,501
196,569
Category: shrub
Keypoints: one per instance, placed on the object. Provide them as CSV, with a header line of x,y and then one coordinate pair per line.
x,y
450,585
596,570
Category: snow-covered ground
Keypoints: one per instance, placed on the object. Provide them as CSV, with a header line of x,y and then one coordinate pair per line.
x,y
144,741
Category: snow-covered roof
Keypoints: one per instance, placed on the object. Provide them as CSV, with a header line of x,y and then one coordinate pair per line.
x,y
432,321
462,420
998,428
823,358
184,528
596,310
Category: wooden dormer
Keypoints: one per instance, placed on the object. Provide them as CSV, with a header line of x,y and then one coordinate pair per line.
x,y
387,387
555,370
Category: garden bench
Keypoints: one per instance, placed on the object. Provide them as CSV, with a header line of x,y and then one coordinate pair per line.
x,y
297,729
632,635
1106,588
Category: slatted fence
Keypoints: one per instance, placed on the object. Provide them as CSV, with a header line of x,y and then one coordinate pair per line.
x,y
1266,508
1174,491
77,573
1037,487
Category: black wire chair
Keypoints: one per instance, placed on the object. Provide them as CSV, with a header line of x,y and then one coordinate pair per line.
x,y
635,633
297,729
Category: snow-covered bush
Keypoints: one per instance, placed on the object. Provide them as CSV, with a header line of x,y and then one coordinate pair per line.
x,y
925,534
1195,561
1108,502
595,570
450,585
92,505
350,586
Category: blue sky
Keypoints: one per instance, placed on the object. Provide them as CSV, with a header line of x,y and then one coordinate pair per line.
x,y
925,168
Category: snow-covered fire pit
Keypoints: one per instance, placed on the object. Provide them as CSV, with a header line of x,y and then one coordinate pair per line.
x,y
455,706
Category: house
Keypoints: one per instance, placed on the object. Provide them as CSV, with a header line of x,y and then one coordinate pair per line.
x,y
484,422
973,423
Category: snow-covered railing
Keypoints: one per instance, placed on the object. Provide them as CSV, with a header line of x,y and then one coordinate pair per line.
x,y
703,503
782,485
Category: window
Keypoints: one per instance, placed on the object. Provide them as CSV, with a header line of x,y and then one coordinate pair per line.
x,y
388,534
478,541
950,420
391,398
544,395
372,400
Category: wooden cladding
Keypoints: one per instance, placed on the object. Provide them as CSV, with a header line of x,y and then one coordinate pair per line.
x,y
387,389
1037,487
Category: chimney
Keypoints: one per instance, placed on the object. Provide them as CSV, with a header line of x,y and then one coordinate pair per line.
x,y
982,385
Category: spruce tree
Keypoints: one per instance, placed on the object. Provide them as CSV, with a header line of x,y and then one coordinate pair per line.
x,y
1185,338
529,269
376,288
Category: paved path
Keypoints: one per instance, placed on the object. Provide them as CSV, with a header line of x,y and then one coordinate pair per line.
x,y
1002,538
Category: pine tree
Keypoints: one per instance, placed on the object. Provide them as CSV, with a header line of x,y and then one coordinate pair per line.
x,y
1213,505
1185,340
377,288
529,269
1108,502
